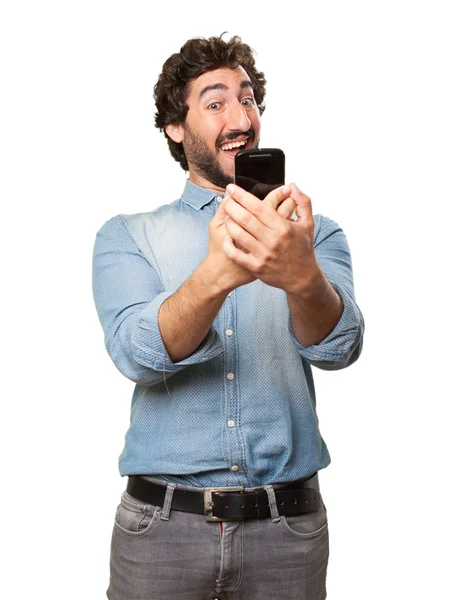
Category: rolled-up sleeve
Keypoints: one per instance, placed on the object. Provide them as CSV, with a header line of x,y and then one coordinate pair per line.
x,y
343,345
128,294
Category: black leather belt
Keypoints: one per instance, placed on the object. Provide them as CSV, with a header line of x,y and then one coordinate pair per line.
x,y
230,503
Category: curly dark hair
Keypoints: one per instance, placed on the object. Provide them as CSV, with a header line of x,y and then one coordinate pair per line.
x,y
197,56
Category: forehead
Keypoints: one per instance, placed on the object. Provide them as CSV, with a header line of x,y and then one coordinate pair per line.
x,y
231,78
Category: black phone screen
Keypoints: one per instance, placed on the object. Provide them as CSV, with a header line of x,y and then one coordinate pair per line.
x,y
259,170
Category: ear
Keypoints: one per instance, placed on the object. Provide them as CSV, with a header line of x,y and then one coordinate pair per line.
x,y
175,132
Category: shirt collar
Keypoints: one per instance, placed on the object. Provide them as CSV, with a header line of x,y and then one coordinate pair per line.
x,y
197,196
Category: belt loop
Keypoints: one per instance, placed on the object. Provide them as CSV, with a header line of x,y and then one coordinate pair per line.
x,y
272,503
168,501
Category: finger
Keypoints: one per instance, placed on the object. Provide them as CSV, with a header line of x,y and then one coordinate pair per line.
x,y
241,238
245,218
228,219
303,204
262,212
286,208
277,195
238,256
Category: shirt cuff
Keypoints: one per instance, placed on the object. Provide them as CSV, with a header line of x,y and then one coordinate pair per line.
x,y
339,345
148,345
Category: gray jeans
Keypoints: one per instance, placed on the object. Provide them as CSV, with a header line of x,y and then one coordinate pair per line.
x,y
161,554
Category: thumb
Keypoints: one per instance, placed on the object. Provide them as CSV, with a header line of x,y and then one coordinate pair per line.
x,y
278,195
303,204
220,213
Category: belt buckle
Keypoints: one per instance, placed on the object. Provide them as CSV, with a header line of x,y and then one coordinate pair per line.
x,y
208,492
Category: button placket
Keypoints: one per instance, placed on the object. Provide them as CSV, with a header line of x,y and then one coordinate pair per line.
x,y
234,450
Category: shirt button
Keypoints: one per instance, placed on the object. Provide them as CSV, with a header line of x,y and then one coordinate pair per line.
x,y
231,423
219,199
235,468
230,376
229,332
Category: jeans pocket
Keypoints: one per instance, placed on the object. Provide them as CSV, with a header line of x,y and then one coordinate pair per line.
x,y
135,518
307,525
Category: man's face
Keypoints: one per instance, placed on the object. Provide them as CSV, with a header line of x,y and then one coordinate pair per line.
x,y
222,111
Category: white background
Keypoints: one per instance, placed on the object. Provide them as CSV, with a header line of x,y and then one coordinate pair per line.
x,y
358,98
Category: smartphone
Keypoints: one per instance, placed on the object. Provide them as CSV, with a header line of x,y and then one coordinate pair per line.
x,y
259,170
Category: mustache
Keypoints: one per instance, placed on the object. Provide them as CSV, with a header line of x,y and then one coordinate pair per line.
x,y
232,136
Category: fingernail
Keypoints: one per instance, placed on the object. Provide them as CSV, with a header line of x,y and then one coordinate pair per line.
x,y
230,188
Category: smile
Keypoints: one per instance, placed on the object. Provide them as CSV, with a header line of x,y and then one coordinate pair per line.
x,y
233,145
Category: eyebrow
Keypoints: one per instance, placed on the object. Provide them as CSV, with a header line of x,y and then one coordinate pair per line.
x,y
222,86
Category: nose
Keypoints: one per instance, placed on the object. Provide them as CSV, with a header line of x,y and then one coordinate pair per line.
x,y
238,118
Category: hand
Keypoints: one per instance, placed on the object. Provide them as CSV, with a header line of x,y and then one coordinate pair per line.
x,y
227,273
278,251
277,199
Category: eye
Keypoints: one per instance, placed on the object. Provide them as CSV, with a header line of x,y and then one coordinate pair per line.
x,y
248,102
214,105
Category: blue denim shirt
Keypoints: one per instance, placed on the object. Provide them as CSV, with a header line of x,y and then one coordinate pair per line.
x,y
240,410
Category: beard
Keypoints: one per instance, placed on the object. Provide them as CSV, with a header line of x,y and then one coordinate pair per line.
x,y
202,160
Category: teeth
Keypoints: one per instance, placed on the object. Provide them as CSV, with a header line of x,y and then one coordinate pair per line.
x,y
234,145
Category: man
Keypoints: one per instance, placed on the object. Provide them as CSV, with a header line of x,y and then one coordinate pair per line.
x,y
217,305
